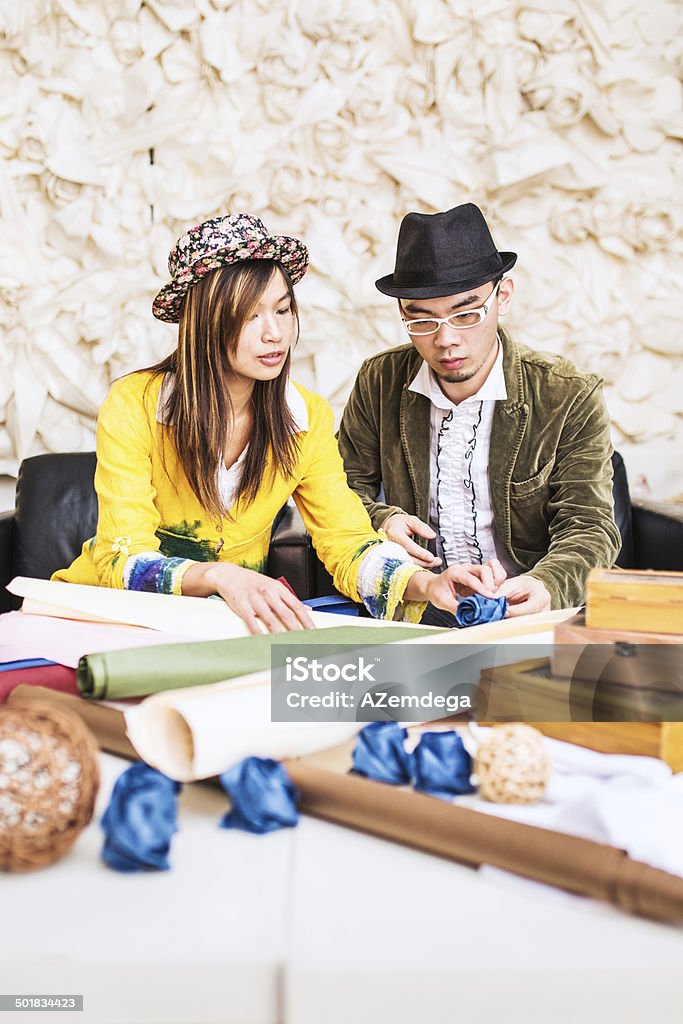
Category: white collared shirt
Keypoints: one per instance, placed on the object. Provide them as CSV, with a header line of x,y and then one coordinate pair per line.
x,y
460,509
229,479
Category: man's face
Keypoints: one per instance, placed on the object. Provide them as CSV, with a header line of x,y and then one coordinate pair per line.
x,y
460,356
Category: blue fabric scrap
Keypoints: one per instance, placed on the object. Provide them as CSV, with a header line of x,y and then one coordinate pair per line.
x,y
475,610
140,820
262,795
442,766
380,754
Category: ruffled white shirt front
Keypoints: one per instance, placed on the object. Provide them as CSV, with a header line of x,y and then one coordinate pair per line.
x,y
460,509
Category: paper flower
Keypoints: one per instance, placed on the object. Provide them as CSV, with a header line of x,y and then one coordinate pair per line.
x,y
380,753
140,820
262,797
475,610
441,765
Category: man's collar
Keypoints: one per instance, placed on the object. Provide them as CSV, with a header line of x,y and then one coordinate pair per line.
x,y
492,390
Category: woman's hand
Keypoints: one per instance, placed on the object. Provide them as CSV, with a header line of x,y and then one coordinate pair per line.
x,y
445,589
401,528
257,599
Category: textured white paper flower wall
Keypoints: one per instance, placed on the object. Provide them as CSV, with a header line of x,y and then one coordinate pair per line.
x,y
122,123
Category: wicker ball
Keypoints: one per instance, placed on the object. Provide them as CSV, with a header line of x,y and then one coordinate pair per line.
x,y
49,776
512,765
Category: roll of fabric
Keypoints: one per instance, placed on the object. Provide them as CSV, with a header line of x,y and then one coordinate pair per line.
x,y
117,675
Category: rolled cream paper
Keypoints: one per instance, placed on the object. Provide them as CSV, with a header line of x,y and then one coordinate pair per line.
x,y
188,616
199,732
169,613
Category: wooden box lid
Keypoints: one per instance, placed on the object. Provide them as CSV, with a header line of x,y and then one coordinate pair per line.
x,y
642,601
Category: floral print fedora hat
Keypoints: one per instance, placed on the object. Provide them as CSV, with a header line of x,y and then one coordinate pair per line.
x,y
220,242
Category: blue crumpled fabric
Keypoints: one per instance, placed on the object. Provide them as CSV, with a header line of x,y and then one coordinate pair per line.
x,y
140,820
475,609
442,766
379,753
262,795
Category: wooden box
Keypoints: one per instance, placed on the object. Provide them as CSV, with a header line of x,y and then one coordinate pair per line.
x,y
622,656
611,718
649,739
643,601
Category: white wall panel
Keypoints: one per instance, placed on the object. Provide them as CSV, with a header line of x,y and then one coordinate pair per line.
x,y
122,123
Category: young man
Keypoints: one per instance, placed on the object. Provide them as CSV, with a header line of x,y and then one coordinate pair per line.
x,y
495,454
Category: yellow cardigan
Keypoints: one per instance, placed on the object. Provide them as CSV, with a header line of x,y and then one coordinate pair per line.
x,y
147,508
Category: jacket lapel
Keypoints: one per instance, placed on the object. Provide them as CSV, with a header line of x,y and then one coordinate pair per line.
x,y
509,423
414,423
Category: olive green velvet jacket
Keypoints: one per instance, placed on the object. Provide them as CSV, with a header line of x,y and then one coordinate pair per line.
x,y
550,469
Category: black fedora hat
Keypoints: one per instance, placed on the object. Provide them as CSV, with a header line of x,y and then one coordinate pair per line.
x,y
443,254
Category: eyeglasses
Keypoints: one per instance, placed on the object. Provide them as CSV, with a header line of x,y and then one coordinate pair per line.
x,y
458,321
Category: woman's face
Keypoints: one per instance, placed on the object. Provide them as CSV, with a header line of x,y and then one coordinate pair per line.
x,y
267,335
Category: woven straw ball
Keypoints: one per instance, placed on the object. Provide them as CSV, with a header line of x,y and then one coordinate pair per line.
x,y
49,777
512,765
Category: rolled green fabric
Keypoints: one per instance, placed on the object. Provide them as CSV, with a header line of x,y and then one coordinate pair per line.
x,y
117,675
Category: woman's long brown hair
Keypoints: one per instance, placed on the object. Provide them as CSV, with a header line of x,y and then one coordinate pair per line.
x,y
198,408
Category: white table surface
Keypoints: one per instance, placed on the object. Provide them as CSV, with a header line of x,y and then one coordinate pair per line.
x,y
385,933
201,942
320,925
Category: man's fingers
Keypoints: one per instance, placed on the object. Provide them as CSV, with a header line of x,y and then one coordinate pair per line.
x,y
499,573
425,559
513,610
526,595
529,605
487,577
511,588
418,554
421,529
400,529
463,577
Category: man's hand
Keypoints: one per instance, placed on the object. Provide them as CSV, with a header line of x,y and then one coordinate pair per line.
x,y
259,600
445,589
402,528
525,595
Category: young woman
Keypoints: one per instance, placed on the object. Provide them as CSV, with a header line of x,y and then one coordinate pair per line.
x,y
196,455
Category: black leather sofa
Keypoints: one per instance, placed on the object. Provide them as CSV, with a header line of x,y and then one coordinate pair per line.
x,y
56,510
